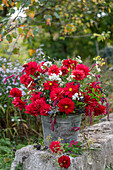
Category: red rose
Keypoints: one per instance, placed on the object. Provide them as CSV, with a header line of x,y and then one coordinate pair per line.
x,y
64,161
15,92
66,105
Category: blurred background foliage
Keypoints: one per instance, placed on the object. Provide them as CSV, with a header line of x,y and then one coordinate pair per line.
x,y
30,29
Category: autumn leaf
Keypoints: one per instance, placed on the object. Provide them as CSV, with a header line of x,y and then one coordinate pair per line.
x,y
30,33
0,37
31,14
1,7
32,2
65,30
12,4
48,21
6,159
3,67
31,52
22,25
5,2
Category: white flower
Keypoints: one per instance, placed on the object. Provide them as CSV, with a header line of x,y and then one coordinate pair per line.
x,y
78,58
54,77
42,67
88,76
97,66
48,63
60,73
70,77
75,96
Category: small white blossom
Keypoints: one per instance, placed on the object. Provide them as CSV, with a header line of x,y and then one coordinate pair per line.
x,y
88,76
70,77
54,77
48,63
75,96
42,67
60,73
78,58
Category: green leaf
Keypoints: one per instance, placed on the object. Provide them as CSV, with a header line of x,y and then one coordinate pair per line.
x,y
9,38
56,15
14,34
20,30
18,5
12,11
48,16
73,155
2,108
16,51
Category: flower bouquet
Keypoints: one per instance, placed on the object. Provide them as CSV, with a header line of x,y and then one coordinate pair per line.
x,y
61,88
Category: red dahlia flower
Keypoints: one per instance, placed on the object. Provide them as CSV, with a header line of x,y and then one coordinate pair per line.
x,y
50,85
26,80
64,70
74,65
36,96
64,161
44,70
78,74
19,103
84,68
99,110
54,69
94,86
71,89
31,68
35,108
45,109
66,105
55,146
15,92
57,94
67,63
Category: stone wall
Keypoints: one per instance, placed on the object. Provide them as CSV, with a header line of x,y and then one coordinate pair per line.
x,y
97,157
